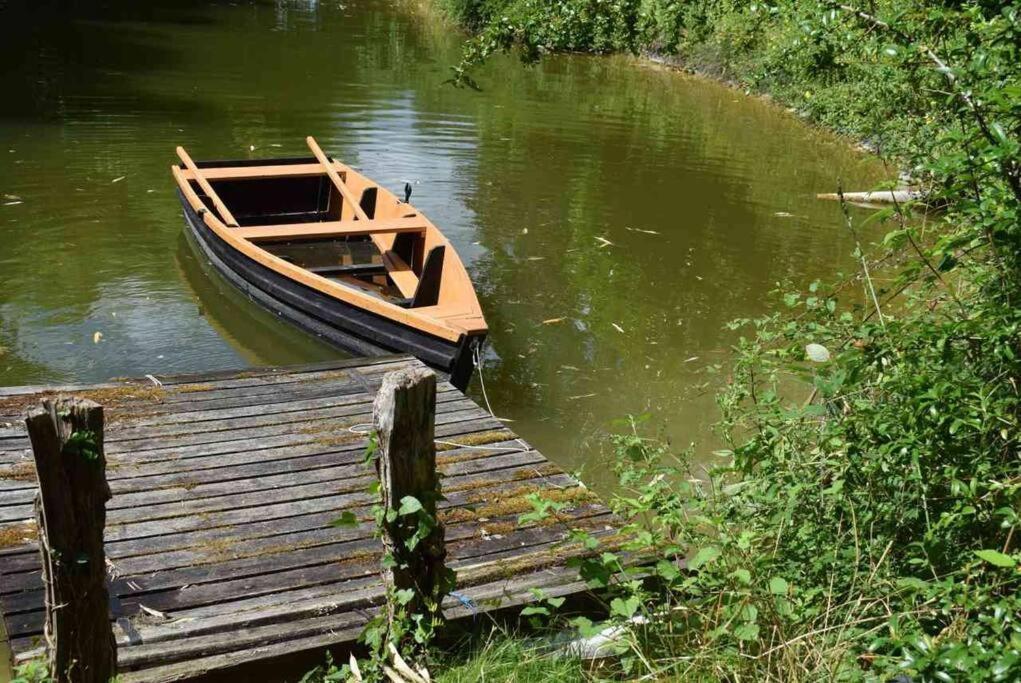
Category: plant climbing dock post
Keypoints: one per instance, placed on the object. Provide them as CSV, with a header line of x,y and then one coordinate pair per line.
x,y
413,569
67,442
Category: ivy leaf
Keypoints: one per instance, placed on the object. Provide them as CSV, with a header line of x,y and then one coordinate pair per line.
x,y
624,608
742,575
409,505
586,629
704,556
404,596
778,586
534,610
747,631
995,557
346,520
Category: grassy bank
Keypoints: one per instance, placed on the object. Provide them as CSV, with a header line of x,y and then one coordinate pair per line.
x,y
863,522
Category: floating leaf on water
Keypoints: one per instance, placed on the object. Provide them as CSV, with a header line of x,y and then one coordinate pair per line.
x,y
817,353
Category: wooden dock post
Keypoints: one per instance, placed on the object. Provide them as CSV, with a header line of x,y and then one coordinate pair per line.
x,y
404,416
67,442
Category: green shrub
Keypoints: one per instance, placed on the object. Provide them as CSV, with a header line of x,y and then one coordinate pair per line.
x,y
863,522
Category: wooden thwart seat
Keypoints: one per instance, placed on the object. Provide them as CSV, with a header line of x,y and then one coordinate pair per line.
x,y
327,229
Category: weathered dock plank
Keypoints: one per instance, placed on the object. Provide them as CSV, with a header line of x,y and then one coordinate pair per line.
x,y
225,485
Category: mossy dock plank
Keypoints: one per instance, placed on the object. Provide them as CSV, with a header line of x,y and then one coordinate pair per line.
x,y
225,485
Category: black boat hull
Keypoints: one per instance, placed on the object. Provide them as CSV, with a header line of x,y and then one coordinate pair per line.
x,y
347,327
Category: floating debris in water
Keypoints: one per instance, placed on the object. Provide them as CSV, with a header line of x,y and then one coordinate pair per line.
x,y
97,337
552,321
575,398
603,242
618,328
153,612
117,180
646,232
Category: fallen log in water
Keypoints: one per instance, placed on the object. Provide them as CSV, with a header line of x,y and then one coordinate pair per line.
x,y
876,197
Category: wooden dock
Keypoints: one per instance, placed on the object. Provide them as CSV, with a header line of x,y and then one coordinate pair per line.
x,y
219,540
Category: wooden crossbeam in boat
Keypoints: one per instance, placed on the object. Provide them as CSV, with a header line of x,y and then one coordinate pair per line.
x,y
325,229
221,208
269,170
403,276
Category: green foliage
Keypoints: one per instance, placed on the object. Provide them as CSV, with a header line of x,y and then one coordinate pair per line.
x,y
34,671
83,443
540,26
327,672
417,613
542,509
863,522
509,659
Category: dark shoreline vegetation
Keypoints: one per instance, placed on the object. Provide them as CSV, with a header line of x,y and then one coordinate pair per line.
x,y
863,523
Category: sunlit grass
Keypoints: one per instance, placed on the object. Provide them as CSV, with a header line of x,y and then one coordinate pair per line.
x,y
507,659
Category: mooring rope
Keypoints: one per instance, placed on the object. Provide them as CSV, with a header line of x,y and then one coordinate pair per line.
x,y
365,428
477,362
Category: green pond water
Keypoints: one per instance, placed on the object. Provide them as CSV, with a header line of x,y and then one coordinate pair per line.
x,y
613,215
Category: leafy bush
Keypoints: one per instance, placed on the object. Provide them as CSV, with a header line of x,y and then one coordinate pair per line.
x,y
863,522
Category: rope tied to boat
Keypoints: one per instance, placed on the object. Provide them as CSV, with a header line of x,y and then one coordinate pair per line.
x,y
478,363
365,428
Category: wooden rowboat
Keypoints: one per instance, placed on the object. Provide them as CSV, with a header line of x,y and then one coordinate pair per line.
x,y
328,249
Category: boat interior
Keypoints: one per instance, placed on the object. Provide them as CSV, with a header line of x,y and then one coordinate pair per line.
x,y
333,223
